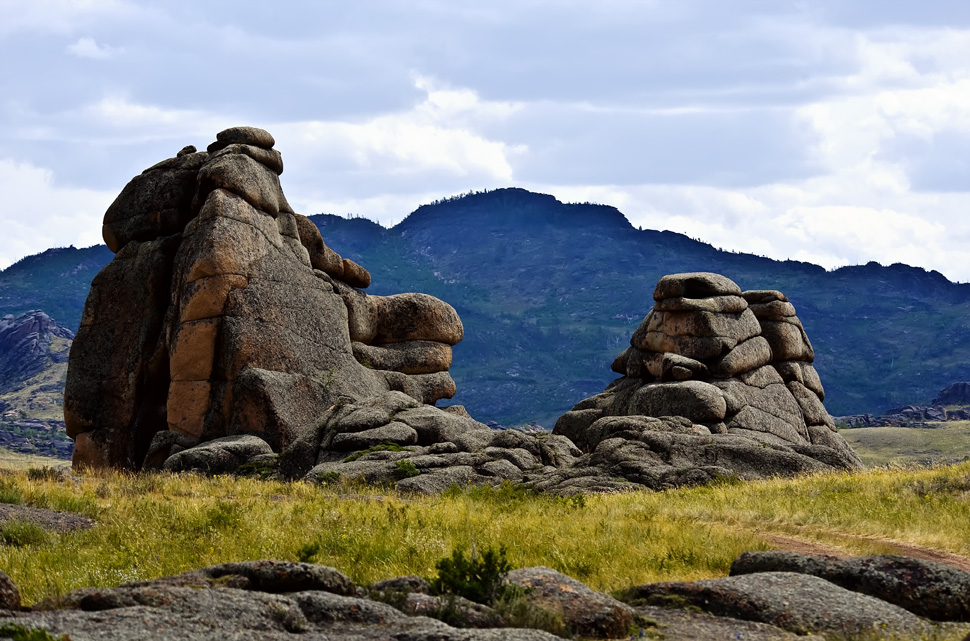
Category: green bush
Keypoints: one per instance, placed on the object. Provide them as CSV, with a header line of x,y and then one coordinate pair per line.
x,y
308,552
406,469
478,578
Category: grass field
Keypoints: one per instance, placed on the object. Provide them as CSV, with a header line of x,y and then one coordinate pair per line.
x,y
937,443
10,460
157,524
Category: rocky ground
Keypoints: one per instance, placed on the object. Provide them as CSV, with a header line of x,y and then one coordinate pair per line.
x,y
769,595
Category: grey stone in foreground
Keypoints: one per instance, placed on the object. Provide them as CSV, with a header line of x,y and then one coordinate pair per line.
x,y
929,589
251,600
219,456
798,603
684,625
586,612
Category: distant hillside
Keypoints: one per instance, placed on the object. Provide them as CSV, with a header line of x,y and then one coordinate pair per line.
x,y
549,293
33,360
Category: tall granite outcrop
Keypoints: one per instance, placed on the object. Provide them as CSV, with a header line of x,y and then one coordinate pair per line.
x,y
224,313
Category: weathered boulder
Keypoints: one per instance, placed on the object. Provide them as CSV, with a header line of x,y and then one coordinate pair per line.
x,y
9,593
585,612
797,603
736,365
926,588
225,314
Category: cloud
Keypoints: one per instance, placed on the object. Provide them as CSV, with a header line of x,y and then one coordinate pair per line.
x,y
57,16
71,216
88,48
435,142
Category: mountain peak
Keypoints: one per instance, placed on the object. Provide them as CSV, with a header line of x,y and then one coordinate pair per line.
x,y
513,206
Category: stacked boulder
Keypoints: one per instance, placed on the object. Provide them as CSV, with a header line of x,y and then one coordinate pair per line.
x,y
731,364
224,313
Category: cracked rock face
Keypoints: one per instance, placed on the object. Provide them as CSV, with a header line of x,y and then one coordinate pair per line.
x,y
737,366
224,313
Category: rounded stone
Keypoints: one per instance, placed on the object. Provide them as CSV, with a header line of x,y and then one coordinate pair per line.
x,y
698,401
244,136
695,285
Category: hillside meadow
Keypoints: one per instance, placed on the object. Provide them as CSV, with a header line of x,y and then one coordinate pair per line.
x,y
934,444
151,525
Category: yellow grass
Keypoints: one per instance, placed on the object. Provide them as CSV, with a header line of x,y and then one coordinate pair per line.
x,y
155,525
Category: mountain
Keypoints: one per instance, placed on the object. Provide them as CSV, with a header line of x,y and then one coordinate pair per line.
x,y
33,360
550,293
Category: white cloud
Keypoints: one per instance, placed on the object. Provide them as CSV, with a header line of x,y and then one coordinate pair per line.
x,y
438,140
89,48
39,214
56,16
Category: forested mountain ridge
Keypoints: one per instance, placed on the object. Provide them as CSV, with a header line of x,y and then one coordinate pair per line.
x,y
549,294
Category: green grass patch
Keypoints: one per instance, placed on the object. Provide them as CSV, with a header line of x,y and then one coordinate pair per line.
x,y
937,443
153,525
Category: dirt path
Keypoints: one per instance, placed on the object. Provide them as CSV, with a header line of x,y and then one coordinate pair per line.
x,y
808,546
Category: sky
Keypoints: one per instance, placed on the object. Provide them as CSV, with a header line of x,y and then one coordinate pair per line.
x,y
830,131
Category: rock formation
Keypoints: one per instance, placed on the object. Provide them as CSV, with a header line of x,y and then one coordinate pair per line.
x,y
226,332
877,597
224,313
736,366
954,394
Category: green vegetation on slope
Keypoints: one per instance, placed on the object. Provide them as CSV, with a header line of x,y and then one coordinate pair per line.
x,y
936,443
155,525
550,293
42,395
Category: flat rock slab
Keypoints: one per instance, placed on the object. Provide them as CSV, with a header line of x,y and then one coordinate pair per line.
x,y
798,603
926,588
60,522
683,625
174,612
250,600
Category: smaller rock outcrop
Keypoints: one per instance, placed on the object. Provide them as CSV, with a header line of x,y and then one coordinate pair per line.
x,y
954,394
393,439
736,367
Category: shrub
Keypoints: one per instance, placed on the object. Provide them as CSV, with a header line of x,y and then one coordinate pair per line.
x,y
406,469
476,578
308,552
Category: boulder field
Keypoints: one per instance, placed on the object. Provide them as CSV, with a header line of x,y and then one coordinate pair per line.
x,y
879,597
226,333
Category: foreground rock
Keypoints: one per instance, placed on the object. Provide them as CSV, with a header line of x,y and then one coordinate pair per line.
x,y
735,367
224,313
278,599
255,600
926,588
